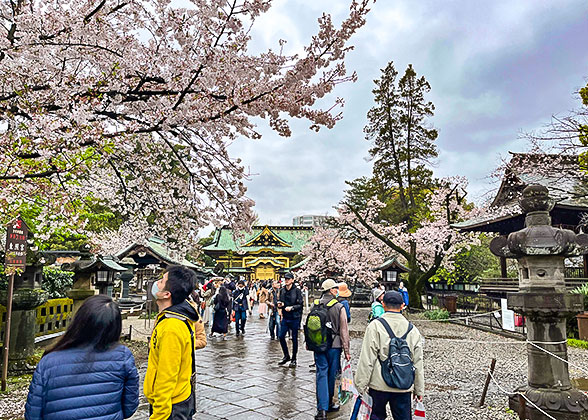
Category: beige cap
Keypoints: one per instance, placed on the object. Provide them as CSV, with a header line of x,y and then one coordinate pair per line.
x,y
329,284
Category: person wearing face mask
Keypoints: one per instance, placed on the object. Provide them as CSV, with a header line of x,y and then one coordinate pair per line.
x,y
169,384
328,362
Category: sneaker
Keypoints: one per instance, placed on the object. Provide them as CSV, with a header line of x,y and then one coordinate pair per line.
x,y
293,363
334,407
284,361
243,332
321,415
238,333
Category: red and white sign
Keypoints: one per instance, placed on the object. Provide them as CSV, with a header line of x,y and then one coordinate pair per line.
x,y
16,244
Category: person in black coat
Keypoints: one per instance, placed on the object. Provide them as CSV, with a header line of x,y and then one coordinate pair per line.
x,y
220,320
290,305
240,306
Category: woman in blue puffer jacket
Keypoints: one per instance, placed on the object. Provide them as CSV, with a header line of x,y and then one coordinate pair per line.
x,y
87,374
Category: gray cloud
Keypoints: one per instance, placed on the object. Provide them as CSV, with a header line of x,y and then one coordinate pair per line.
x,y
496,69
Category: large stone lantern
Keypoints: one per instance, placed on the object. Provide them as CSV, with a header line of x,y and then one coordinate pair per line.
x,y
540,250
27,296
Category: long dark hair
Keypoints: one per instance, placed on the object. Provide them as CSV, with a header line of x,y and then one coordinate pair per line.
x,y
223,295
97,323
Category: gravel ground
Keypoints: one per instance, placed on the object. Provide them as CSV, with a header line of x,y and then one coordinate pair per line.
x,y
456,361
456,366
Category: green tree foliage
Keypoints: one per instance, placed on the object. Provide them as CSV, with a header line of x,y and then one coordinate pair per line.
x,y
403,148
402,142
56,282
470,264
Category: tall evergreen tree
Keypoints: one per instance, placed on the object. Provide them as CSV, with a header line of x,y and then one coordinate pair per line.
x,y
402,140
402,205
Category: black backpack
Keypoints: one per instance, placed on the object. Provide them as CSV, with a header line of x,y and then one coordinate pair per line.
x,y
398,368
318,333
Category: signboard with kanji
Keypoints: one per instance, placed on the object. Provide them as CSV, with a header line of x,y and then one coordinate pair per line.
x,y
16,244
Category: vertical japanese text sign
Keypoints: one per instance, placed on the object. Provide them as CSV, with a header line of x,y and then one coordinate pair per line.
x,y
16,244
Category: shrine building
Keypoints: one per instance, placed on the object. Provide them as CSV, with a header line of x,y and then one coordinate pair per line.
x,y
264,254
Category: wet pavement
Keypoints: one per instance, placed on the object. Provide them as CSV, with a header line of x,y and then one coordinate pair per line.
x,y
239,378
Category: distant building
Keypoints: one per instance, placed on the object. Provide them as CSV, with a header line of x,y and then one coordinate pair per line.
x,y
309,220
264,254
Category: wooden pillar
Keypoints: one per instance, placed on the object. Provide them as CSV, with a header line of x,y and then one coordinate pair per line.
x,y
585,259
503,272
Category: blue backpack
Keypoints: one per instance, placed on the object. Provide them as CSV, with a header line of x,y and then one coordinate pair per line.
x,y
398,368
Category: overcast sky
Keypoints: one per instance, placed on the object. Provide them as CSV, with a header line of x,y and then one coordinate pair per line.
x,y
496,68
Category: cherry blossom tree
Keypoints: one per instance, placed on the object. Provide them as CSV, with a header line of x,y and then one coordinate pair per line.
x,y
131,104
338,252
362,240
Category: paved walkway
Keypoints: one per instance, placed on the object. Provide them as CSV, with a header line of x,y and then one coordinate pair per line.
x,y
239,378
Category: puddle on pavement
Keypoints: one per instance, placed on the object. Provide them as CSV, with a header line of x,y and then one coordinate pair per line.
x,y
580,383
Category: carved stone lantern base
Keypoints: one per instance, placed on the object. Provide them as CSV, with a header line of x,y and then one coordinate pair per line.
x,y
562,405
23,328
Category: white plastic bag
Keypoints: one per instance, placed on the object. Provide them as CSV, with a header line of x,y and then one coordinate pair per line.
x,y
362,407
347,379
419,411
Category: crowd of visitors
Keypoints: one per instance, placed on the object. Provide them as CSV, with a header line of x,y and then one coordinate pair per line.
x,y
89,374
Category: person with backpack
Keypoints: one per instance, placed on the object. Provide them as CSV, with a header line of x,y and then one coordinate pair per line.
x,y
326,334
170,380
390,365
290,305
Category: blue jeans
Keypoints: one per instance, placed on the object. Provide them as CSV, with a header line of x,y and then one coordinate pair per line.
x,y
240,318
400,404
327,366
293,325
274,324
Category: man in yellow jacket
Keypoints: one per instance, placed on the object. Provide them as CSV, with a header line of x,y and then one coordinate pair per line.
x,y
178,332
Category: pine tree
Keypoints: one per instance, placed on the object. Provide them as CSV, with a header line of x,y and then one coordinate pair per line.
x,y
402,140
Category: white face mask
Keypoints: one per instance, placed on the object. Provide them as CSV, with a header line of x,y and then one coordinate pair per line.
x,y
155,290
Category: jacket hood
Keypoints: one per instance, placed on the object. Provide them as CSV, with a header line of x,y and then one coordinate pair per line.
x,y
185,309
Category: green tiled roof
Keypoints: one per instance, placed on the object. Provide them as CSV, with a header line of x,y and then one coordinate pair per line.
x,y
296,236
391,263
157,246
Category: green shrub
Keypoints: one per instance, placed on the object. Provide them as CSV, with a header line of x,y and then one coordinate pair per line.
x,y
57,282
436,314
581,344
582,290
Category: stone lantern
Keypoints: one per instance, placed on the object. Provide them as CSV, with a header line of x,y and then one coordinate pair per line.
x,y
540,250
27,296
91,274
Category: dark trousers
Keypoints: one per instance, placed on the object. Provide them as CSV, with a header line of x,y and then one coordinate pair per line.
x,y
181,411
240,319
292,325
274,324
400,404
327,367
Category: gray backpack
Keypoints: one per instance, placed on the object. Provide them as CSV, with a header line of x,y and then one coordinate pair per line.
x,y
398,368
